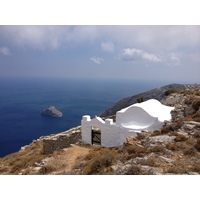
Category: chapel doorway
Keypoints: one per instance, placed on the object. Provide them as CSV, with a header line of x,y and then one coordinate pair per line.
x,y
96,135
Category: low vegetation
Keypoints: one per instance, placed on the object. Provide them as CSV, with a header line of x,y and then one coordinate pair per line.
x,y
99,161
14,163
168,92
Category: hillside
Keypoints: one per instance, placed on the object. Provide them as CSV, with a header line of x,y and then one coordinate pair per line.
x,y
157,93
174,149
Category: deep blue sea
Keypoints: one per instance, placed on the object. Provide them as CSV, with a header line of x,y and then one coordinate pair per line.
x,y
23,99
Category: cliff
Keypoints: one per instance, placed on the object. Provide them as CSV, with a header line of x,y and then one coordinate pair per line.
x,y
157,93
174,149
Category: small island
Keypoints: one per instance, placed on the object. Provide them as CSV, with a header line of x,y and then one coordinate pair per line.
x,y
51,111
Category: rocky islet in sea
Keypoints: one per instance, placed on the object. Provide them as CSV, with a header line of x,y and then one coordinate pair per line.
x,y
51,111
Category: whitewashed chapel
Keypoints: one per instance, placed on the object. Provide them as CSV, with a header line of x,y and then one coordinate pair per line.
x,y
146,116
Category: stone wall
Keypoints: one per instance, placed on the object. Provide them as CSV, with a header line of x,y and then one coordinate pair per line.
x,y
62,140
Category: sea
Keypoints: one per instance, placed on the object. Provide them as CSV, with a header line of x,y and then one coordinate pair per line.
x,y
23,99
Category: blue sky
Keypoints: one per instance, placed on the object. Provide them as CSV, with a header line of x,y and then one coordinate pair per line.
x,y
169,53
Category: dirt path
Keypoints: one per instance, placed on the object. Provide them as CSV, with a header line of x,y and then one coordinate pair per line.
x,y
65,161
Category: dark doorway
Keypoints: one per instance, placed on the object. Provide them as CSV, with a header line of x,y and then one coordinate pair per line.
x,y
96,135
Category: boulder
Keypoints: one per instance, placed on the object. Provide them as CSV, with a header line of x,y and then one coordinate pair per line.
x,y
189,110
160,139
51,111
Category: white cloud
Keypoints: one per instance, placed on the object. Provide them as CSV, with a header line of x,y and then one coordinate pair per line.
x,y
107,46
161,39
5,51
96,60
173,59
47,37
131,54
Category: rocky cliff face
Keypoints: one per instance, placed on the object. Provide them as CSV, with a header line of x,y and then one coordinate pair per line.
x,y
157,93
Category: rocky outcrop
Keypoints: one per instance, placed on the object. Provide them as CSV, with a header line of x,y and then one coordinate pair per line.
x,y
51,111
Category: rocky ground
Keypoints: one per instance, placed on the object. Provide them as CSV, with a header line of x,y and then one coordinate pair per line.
x,y
174,149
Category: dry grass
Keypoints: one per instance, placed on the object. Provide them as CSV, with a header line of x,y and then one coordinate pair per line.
x,y
171,127
196,117
190,151
14,163
196,104
197,145
153,161
134,170
158,149
179,167
180,137
98,160
195,168
134,151
182,167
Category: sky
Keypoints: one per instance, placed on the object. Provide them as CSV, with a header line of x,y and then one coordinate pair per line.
x,y
137,52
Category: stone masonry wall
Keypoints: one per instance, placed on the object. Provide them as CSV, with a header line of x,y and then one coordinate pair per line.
x,y
62,140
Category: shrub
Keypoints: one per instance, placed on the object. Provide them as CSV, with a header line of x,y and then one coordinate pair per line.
x,y
196,117
165,129
178,168
197,145
134,170
158,149
171,127
195,167
168,92
176,125
172,147
138,151
24,162
98,162
140,100
178,146
133,151
180,138
196,105
197,134
189,152
156,132
152,161
46,169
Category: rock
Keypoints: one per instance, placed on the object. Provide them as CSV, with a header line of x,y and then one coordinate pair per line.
x,y
51,111
193,173
189,110
165,159
188,126
197,124
182,133
174,99
197,133
161,139
151,170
